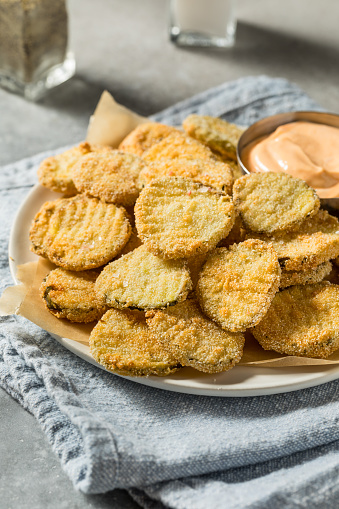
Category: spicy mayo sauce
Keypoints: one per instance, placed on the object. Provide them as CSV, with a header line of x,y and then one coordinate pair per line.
x,y
302,149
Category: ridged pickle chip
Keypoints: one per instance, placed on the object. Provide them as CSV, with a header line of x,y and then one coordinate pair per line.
x,y
236,286
71,295
79,233
195,340
179,218
112,176
144,136
302,321
55,172
316,241
270,202
211,173
143,281
303,277
219,135
122,343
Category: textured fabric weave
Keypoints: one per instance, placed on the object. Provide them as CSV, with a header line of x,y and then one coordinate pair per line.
x,y
169,449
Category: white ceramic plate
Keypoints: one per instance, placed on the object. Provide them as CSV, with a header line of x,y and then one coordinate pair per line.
x,y
240,381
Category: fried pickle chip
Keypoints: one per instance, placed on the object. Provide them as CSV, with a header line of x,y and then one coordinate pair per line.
x,y
175,146
269,202
179,218
144,136
302,321
79,233
195,340
111,176
316,241
236,285
206,171
303,277
143,281
71,295
219,135
122,342
56,172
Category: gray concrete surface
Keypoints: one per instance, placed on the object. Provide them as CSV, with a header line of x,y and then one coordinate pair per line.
x,y
123,46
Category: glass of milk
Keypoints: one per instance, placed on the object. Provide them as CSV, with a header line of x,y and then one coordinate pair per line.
x,y
204,23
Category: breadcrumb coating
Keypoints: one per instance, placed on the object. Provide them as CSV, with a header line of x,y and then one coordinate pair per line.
x,y
122,343
195,340
270,202
219,135
179,218
141,280
302,321
71,295
236,286
79,233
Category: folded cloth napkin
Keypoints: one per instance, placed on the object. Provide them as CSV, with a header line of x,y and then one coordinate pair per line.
x,y
169,449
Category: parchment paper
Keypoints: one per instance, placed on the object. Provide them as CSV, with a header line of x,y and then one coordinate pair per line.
x,y
110,123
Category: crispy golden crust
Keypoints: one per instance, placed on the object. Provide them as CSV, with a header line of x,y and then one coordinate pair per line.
x,y
302,321
144,136
219,135
71,295
316,241
123,343
111,176
144,281
56,172
269,202
211,173
179,218
79,233
303,277
236,286
195,340
178,145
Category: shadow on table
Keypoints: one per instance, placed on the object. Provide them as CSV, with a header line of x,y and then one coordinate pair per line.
x,y
276,50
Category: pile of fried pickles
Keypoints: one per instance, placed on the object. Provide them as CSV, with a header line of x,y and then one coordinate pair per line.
x,y
175,254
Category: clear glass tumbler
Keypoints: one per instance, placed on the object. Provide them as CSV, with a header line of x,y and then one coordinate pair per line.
x,y
204,23
34,54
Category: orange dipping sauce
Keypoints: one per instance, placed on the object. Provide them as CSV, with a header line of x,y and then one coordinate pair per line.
x,y
303,149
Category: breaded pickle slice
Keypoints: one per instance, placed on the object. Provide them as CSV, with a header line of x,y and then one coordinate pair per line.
x,y
175,146
79,233
302,321
219,135
207,171
195,340
303,277
236,285
179,218
111,176
122,342
71,295
141,280
56,172
144,136
269,202
316,241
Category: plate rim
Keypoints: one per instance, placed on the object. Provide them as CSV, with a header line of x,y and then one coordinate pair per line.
x,y
164,383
